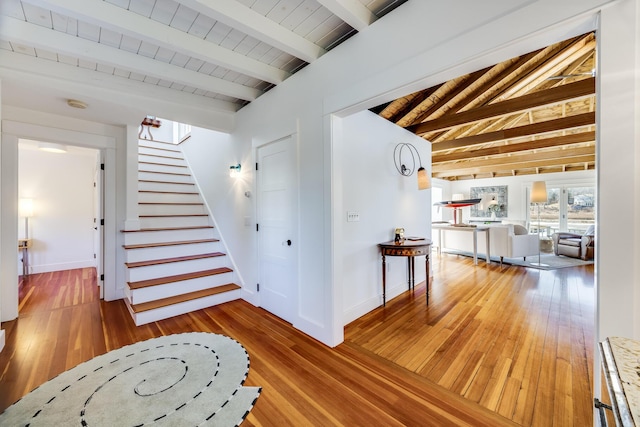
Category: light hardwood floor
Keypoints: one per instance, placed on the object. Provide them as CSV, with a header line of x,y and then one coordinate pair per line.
x,y
509,346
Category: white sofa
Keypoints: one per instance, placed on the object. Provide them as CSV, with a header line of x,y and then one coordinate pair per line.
x,y
505,241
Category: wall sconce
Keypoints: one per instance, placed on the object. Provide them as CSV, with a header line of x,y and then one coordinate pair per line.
x,y
234,171
407,169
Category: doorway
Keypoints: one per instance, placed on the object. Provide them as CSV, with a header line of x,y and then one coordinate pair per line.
x,y
66,190
277,213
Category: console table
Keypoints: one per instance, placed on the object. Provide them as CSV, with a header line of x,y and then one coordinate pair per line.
x,y
472,229
409,249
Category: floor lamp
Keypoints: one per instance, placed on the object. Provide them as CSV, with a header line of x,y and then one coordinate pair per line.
x,y
539,195
25,210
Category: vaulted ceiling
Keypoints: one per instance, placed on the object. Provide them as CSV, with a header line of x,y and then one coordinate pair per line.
x,y
531,114
215,54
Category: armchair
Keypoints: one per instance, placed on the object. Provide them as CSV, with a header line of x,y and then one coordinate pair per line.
x,y
575,245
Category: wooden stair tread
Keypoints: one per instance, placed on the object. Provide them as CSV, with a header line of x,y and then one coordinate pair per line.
x,y
160,156
166,182
161,244
165,173
174,259
170,203
145,306
194,227
171,216
167,192
141,141
161,164
178,278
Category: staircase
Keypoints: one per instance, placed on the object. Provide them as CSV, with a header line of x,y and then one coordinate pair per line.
x,y
174,262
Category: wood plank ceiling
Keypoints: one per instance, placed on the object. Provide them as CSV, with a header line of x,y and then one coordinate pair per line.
x,y
219,54
531,114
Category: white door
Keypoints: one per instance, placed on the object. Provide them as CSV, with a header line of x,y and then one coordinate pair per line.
x,y
277,204
98,227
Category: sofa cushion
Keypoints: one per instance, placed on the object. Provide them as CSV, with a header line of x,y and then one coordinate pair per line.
x,y
570,241
519,230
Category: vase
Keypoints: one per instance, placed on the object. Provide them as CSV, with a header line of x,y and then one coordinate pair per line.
x,y
493,216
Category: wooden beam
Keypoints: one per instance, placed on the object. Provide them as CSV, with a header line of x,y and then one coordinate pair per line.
x,y
564,123
243,18
575,138
582,88
500,162
119,20
352,12
507,167
76,47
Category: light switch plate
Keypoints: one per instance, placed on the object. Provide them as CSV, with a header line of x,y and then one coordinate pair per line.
x,y
353,216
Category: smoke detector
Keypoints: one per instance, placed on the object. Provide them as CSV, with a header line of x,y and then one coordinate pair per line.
x,y
74,103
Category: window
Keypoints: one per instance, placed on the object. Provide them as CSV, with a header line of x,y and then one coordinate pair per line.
x,y
436,196
568,208
181,132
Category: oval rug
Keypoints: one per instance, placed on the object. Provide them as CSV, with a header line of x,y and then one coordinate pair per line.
x,y
184,379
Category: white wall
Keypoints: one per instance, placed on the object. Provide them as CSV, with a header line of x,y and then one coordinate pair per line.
x,y
517,202
372,187
61,187
209,154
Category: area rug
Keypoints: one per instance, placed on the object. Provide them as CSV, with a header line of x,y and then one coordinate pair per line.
x,y
549,261
178,380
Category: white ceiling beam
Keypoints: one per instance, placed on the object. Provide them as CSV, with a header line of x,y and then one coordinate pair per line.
x,y
352,12
123,94
245,19
55,41
122,21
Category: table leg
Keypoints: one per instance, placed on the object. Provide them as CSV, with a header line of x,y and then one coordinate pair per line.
x,y
475,246
426,262
409,272
413,272
488,232
384,281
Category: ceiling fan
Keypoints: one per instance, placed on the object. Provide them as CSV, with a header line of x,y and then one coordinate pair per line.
x,y
592,73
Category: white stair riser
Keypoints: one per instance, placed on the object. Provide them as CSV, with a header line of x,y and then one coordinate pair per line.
x,y
159,152
169,161
163,186
185,307
145,197
162,252
156,144
161,176
152,293
174,221
141,237
160,209
171,269
169,169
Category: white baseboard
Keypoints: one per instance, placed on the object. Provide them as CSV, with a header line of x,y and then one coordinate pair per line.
x,y
46,268
372,303
1,339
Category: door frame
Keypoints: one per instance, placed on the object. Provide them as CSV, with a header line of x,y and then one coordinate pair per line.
x,y
12,132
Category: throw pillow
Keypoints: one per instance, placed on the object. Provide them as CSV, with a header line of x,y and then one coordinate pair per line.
x,y
519,230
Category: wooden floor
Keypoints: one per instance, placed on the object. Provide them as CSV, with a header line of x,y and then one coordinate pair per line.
x,y
493,346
